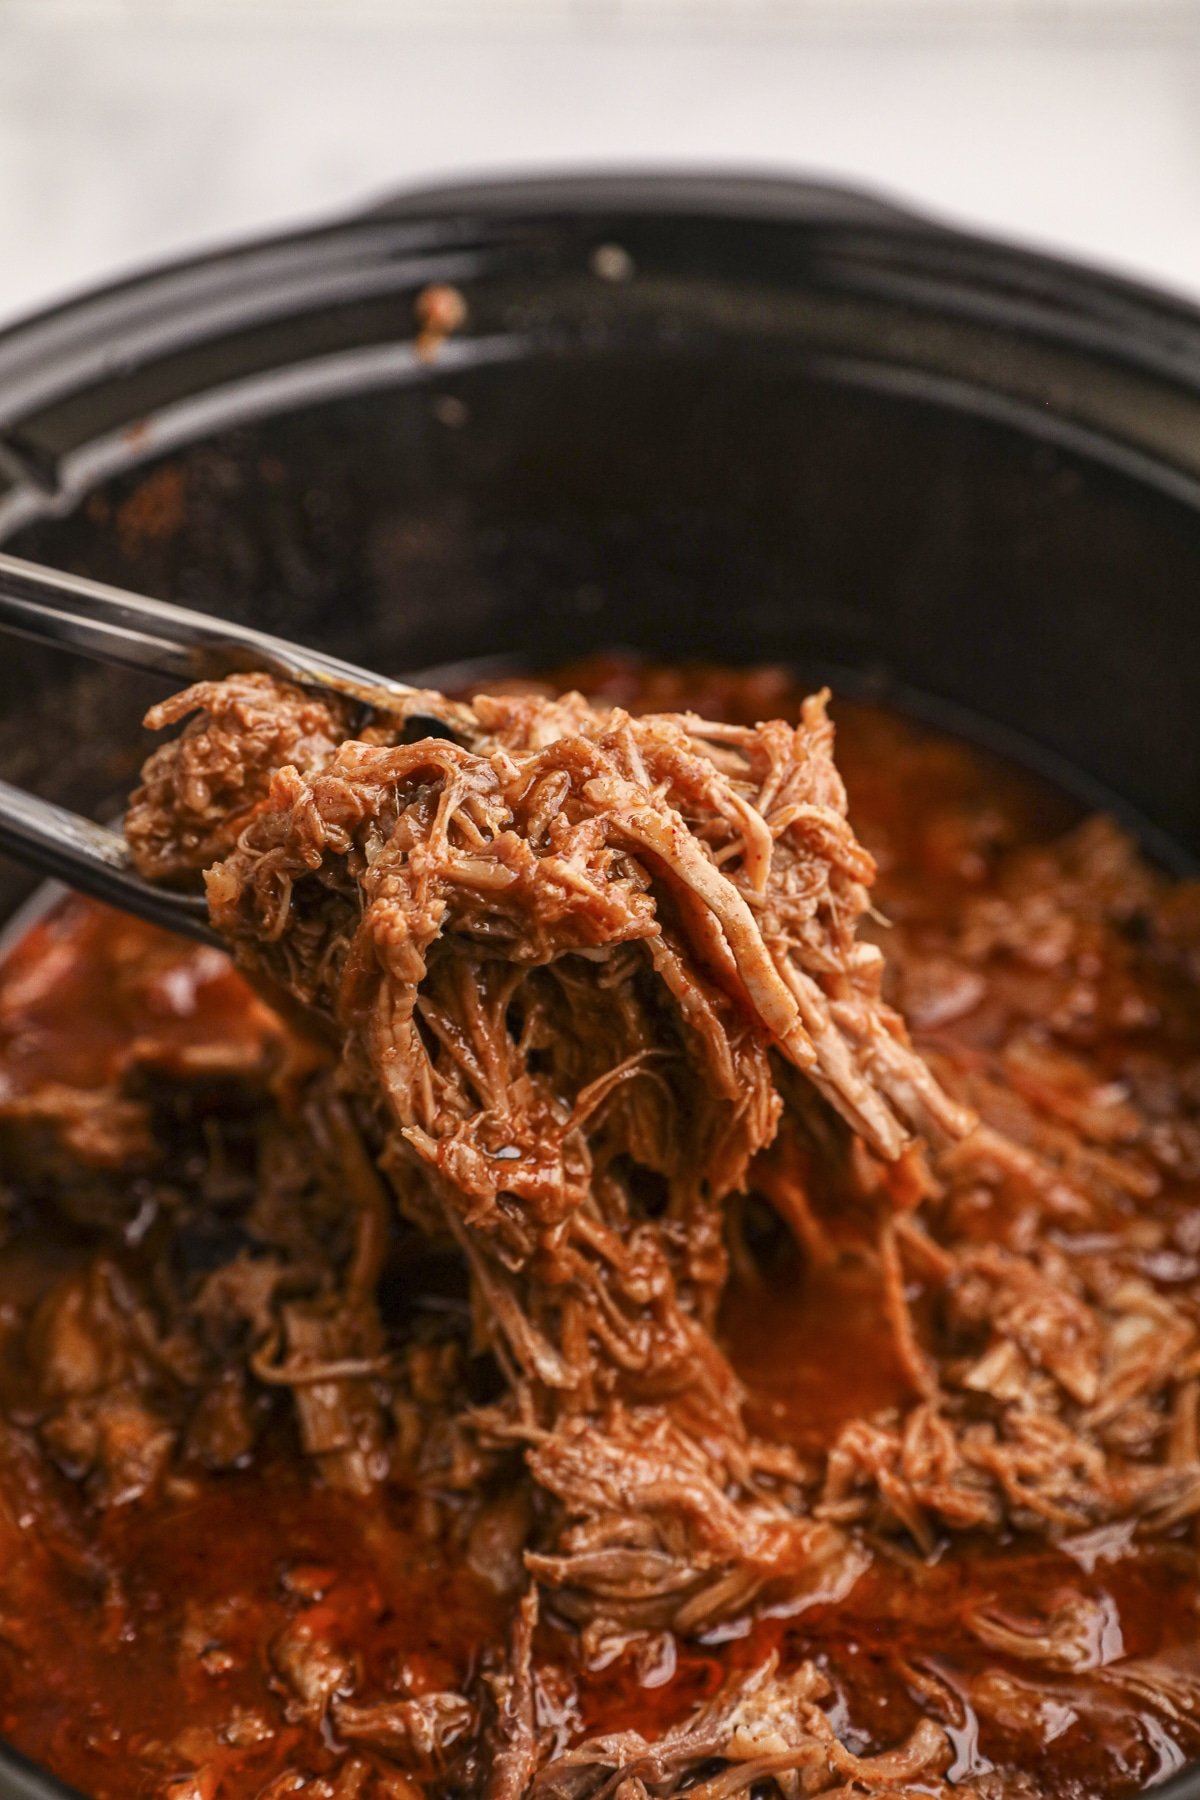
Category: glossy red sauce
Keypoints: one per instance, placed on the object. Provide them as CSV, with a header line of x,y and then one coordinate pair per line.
x,y
85,983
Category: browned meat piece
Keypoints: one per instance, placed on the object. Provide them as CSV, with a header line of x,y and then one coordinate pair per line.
x,y
310,1669
512,1744
332,1353
1071,1381
1069,1636
223,1429
109,1375
1126,1703
419,1733
55,1132
198,790
763,1730
499,1534
662,1532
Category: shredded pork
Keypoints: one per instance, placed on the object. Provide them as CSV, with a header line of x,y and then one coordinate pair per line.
x,y
599,1009
578,963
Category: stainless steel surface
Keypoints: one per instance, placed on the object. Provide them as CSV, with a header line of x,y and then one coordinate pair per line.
x,y
94,860
112,625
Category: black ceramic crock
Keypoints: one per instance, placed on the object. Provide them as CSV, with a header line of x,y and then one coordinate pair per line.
x,y
696,416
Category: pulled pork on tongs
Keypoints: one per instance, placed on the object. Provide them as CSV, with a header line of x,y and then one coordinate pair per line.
x,y
584,967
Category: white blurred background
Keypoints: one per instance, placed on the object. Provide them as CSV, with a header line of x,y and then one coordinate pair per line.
x,y
131,130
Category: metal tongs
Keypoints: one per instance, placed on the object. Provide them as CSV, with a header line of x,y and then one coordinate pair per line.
x,y
110,625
